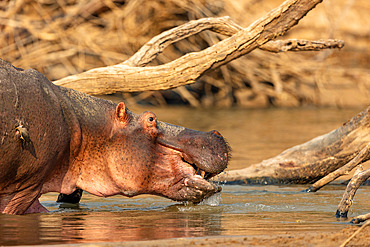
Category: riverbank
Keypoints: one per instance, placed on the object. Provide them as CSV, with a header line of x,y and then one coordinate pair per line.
x,y
327,239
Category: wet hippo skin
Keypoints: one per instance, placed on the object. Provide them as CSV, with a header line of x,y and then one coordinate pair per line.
x,y
54,139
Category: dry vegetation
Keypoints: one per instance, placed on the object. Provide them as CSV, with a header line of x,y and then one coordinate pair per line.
x,y
65,37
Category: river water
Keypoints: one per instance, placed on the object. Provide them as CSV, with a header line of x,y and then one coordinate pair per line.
x,y
254,135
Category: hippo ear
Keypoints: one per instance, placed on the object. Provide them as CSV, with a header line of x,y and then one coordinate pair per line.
x,y
121,112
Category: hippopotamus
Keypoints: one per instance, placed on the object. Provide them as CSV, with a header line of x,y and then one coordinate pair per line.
x,y
55,139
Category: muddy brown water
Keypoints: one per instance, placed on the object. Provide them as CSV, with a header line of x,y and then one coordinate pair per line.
x,y
240,210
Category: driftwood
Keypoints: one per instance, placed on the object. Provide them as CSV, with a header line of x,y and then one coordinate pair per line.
x,y
124,77
326,157
349,193
310,161
341,171
360,218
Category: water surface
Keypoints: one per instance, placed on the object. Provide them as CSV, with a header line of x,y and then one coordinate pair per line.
x,y
240,210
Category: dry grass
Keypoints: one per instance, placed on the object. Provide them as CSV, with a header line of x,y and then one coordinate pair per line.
x,y
64,37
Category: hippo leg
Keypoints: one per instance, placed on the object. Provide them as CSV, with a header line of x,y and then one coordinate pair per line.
x,y
36,207
22,201
74,197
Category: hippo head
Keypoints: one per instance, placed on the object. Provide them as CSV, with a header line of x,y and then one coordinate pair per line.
x,y
152,157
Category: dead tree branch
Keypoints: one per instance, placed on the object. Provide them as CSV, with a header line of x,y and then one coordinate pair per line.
x,y
186,69
350,192
355,234
301,45
222,25
361,218
341,171
149,51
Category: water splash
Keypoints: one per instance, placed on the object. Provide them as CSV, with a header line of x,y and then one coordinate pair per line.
x,y
213,200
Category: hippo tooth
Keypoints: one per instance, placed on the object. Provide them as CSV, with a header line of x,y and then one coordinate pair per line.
x,y
208,175
202,173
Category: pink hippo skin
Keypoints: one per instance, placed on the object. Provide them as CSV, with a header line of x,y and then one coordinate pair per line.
x,y
54,139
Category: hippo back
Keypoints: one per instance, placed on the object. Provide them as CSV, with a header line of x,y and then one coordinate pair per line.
x,y
33,130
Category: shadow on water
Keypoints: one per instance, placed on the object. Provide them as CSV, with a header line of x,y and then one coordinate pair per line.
x,y
240,210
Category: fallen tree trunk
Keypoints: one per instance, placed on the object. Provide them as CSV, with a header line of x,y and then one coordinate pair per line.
x,y
310,161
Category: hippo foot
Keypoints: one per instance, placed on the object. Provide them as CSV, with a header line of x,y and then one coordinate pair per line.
x,y
73,198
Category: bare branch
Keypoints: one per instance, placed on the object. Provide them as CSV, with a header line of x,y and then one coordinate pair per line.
x,y
301,45
350,192
222,25
188,68
361,218
341,171
149,51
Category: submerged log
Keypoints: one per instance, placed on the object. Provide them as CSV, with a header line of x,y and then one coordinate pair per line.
x,y
310,161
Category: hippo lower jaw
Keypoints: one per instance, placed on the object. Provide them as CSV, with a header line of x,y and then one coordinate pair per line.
x,y
191,182
196,189
199,180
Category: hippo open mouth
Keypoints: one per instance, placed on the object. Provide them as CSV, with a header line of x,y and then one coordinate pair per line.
x,y
198,171
198,156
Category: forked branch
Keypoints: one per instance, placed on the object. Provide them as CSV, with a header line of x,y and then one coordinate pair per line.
x,y
340,171
221,25
129,77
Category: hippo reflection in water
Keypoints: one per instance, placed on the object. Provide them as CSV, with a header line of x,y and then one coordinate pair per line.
x,y
54,139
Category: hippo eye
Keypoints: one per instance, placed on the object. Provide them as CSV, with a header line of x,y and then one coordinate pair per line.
x,y
151,119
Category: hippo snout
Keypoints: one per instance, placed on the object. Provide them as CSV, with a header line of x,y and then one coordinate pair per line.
x,y
223,157
206,151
